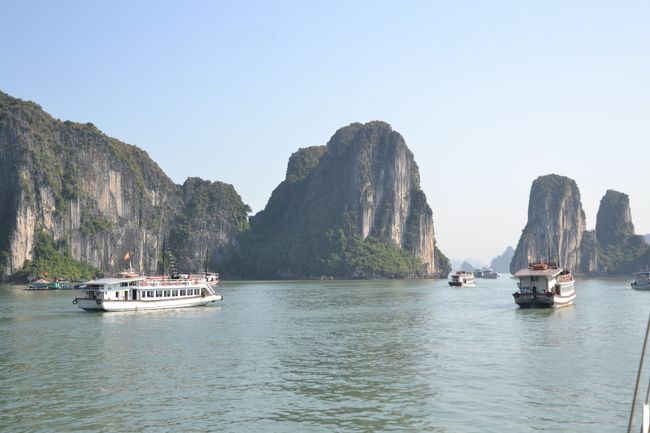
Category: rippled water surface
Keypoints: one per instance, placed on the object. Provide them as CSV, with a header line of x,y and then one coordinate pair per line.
x,y
359,356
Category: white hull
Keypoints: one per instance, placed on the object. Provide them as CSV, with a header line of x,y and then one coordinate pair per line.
x,y
641,285
452,284
115,305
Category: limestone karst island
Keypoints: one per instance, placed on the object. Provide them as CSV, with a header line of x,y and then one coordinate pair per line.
x,y
74,200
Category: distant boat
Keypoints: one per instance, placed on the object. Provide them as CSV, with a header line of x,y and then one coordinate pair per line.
x,y
39,284
462,279
641,280
486,273
543,285
60,285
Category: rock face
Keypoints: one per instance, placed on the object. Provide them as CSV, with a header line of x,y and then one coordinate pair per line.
x,y
556,231
351,208
619,249
501,263
556,224
614,219
101,196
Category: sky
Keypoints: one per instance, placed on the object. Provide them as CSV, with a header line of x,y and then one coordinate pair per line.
x,y
488,95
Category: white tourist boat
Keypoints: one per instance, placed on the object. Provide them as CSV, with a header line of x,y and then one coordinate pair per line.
x,y
132,293
641,280
543,285
462,279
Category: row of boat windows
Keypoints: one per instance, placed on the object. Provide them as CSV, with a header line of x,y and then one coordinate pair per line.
x,y
168,293
159,293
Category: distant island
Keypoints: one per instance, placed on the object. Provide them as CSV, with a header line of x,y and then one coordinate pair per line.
x,y
501,263
556,231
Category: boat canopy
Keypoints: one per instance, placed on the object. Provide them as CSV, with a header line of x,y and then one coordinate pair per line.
x,y
527,272
110,281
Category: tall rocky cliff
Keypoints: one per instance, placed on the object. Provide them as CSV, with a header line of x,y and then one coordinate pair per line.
x,y
556,231
100,197
619,249
556,224
352,208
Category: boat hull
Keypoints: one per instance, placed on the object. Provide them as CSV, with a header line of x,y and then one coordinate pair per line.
x,y
140,305
543,301
644,285
460,284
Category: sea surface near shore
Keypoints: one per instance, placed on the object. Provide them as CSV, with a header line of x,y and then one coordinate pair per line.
x,y
325,356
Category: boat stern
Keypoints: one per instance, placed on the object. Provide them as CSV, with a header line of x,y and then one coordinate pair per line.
x,y
533,301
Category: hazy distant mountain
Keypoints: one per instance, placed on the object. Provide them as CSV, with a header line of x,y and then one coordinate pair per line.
x,y
647,238
467,267
467,264
501,263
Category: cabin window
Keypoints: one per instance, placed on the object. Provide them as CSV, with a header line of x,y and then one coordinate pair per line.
x,y
158,293
123,284
183,292
175,293
534,278
150,294
166,293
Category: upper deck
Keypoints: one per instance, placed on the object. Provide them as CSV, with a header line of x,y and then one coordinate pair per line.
x,y
142,283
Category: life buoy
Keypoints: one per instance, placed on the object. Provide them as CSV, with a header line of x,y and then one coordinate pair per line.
x,y
74,302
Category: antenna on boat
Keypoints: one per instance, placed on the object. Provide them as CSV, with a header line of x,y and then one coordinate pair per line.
x,y
163,254
206,259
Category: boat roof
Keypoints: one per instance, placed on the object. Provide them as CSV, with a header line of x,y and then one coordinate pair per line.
x,y
104,281
527,272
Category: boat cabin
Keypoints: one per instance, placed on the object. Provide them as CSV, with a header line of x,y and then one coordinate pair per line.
x,y
140,289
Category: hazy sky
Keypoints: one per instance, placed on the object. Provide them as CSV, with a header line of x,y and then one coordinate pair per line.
x,y
488,95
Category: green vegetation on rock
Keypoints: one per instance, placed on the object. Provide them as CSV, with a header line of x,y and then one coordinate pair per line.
x,y
52,260
339,214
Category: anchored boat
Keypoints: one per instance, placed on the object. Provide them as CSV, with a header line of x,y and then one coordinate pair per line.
x,y
130,293
543,285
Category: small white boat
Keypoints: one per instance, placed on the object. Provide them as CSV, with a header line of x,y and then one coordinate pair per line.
x,y
543,285
462,279
131,293
641,280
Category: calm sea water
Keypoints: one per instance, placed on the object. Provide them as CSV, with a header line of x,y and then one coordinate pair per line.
x,y
358,356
